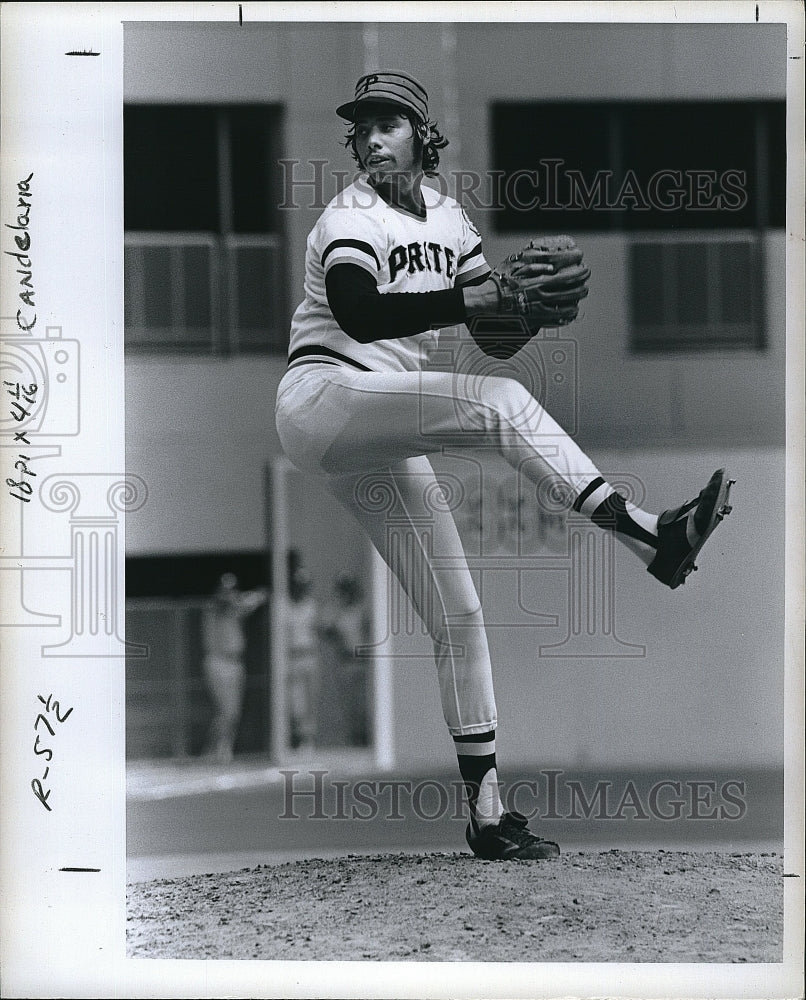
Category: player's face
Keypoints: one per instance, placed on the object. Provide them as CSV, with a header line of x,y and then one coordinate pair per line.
x,y
385,145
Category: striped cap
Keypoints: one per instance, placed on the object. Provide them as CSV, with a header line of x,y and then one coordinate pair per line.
x,y
390,86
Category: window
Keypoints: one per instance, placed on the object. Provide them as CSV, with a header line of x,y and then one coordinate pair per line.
x,y
641,166
692,184
203,235
700,292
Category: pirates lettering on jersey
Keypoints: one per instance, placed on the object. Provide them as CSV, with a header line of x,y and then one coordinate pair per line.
x,y
422,256
402,253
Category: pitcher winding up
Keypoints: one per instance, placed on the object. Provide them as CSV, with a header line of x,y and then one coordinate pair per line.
x,y
390,262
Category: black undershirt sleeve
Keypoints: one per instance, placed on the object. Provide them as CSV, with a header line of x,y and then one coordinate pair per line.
x,y
501,339
366,315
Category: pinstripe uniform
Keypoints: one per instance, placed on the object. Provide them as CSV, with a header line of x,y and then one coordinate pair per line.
x,y
345,409
360,407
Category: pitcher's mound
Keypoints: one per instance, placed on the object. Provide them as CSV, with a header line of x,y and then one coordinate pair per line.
x,y
613,906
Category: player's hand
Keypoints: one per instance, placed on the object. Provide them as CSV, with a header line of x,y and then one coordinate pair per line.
x,y
543,283
485,299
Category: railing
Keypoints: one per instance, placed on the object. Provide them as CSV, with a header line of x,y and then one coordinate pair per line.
x,y
203,293
696,290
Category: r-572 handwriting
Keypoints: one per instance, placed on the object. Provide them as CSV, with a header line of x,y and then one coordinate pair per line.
x,y
47,719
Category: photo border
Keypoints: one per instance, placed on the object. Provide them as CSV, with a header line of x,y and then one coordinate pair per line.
x,y
64,934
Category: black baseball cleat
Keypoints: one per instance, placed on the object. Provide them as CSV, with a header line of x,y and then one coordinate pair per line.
x,y
683,531
509,840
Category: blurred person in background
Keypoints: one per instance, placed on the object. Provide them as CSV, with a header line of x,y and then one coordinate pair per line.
x,y
344,703
223,664
301,620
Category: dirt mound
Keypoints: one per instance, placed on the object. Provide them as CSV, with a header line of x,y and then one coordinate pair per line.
x,y
614,906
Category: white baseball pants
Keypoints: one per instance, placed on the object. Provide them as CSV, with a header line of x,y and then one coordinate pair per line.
x,y
343,424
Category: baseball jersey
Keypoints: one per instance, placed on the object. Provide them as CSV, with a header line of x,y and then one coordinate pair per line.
x,y
403,253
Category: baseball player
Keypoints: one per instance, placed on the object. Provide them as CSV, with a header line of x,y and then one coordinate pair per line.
x,y
389,263
223,665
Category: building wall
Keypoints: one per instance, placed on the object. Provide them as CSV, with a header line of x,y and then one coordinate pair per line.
x,y
200,431
696,676
309,68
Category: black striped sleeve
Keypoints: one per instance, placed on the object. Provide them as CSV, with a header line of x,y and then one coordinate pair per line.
x,y
475,252
350,251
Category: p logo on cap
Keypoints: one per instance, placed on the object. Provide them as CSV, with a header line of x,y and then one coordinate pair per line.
x,y
389,86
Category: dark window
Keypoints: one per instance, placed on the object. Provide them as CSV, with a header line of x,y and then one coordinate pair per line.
x,y
203,249
694,183
722,154
541,143
254,178
640,166
170,169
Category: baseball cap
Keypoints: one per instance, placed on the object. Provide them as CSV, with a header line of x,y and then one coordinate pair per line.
x,y
389,86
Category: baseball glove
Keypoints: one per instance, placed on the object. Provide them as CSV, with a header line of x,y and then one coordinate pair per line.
x,y
543,299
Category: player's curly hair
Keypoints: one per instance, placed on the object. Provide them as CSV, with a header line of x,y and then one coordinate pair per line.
x,y
426,135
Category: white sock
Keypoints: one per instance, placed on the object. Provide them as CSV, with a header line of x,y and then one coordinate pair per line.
x,y
489,808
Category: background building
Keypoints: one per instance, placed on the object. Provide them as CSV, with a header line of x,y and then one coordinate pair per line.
x,y
677,367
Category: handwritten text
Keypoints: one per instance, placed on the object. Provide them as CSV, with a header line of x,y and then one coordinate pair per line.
x,y
26,318
44,726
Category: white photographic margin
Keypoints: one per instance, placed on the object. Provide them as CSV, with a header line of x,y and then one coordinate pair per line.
x,y
62,933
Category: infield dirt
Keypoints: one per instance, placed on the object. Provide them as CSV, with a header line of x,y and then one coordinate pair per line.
x,y
611,906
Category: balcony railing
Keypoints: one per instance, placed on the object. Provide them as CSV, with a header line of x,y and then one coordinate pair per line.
x,y
203,293
696,290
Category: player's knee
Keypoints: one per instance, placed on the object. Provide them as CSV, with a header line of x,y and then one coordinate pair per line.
x,y
510,399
